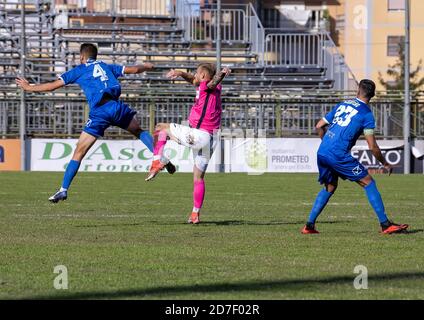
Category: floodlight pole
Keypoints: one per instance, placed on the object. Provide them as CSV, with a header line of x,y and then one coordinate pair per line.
x,y
218,68
407,107
22,120
218,36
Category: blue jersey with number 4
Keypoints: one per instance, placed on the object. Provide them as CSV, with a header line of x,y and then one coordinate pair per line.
x,y
96,78
347,121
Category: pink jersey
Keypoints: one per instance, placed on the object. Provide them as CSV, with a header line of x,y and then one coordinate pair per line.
x,y
206,112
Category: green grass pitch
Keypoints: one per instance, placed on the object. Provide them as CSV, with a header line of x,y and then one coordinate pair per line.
x,y
123,238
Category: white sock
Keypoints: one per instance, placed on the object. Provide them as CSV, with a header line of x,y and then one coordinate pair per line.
x,y
196,210
62,189
164,160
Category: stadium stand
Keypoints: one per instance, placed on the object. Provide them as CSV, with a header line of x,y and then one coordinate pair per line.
x,y
170,34
280,80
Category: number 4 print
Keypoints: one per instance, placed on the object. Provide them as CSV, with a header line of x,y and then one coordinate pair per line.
x,y
99,72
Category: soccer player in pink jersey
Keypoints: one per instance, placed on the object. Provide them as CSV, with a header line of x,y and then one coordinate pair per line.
x,y
200,135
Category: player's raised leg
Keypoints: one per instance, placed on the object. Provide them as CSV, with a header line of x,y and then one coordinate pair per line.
x,y
374,198
145,137
160,161
198,194
85,142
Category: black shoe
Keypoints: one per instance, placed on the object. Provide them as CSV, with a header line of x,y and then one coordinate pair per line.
x,y
59,196
310,226
170,168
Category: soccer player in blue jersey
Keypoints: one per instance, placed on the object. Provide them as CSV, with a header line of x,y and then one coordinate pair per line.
x,y
339,130
99,82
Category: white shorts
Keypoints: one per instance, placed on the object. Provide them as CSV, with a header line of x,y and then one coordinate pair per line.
x,y
200,142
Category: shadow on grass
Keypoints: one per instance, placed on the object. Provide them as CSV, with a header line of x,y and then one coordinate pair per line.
x,y
208,223
264,223
110,225
277,285
413,231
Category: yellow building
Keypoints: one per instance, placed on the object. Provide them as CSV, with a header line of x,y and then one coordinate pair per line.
x,y
368,33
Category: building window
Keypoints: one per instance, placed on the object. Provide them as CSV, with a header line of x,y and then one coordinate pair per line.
x,y
76,23
393,45
340,22
129,4
104,45
395,5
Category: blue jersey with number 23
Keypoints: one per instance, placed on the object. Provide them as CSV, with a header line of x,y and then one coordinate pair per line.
x,y
347,121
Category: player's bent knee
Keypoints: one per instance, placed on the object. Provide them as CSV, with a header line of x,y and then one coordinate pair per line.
x,y
201,165
199,172
331,189
78,156
365,181
135,129
198,179
80,152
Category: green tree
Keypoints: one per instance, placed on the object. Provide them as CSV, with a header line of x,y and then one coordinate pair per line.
x,y
396,72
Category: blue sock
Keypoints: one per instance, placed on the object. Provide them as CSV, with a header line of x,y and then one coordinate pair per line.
x,y
376,202
147,139
71,171
320,202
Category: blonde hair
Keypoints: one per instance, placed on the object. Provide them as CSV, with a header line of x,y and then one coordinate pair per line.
x,y
210,68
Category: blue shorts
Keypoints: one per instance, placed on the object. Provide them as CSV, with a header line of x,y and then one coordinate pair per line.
x,y
112,113
331,168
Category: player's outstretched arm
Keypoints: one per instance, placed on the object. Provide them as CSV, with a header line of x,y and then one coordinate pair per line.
x,y
42,87
321,125
218,78
138,69
375,150
174,74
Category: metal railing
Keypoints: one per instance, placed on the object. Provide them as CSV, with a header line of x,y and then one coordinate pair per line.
x,y
336,67
155,8
278,114
256,34
199,23
48,52
309,50
274,48
294,49
203,25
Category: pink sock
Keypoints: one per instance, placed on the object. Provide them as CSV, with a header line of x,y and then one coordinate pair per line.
x,y
198,194
160,137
